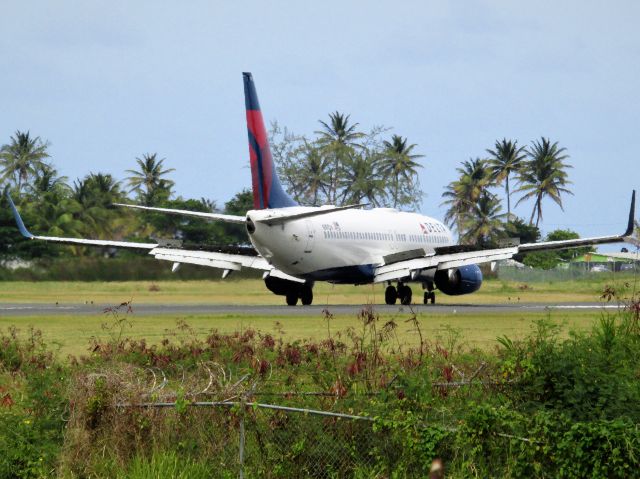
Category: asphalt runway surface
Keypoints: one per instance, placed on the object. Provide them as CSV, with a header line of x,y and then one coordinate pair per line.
x,y
43,309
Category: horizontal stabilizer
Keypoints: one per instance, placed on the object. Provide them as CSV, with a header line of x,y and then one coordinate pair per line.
x,y
196,214
280,219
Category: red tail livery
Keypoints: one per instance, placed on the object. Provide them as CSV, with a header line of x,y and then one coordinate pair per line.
x,y
267,190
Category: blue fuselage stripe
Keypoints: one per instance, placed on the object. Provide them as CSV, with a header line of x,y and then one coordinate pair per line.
x,y
359,274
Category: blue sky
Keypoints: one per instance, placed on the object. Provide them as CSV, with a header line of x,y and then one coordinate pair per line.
x,y
106,81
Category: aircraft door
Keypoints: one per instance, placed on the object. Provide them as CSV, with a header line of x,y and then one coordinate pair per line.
x,y
308,248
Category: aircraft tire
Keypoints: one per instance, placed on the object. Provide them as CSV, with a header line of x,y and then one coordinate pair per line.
x,y
292,298
405,296
390,295
306,295
429,297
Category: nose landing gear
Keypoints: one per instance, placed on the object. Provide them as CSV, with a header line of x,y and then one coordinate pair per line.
x,y
429,296
429,293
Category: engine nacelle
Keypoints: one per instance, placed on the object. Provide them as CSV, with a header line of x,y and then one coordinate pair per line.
x,y
464,280
281,286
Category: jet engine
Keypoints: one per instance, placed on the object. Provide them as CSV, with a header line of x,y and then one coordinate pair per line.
x,y
280,286
456,281
293,290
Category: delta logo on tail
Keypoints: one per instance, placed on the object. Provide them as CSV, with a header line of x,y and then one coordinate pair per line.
x,y
267,190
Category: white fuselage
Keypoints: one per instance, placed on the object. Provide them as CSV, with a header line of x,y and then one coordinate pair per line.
x,y
343,246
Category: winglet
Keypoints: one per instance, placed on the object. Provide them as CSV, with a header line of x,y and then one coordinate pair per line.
x,y
632,216
19,221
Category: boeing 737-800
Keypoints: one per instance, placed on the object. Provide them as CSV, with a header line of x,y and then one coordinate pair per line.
x,y
295,246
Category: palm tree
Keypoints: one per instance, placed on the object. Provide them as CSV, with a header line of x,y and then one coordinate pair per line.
x,y
337,140
95,195
314,176
361,180
52,206
475,177
506,159
22,157
104,188
456,203
462,194
544,174
483,223
400,164
147,181
46,179
338,130
54,216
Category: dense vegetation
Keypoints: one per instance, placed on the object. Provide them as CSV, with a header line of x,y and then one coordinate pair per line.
x,y
53,206
339,164
538,407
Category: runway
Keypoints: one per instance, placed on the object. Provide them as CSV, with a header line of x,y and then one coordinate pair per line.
x,y
43,309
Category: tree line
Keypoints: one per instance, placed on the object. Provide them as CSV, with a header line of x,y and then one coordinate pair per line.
x,y
52,205
339,164
539,171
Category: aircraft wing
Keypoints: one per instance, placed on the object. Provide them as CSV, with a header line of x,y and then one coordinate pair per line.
x,y
118,244
226,261
196,214
214,259
448,257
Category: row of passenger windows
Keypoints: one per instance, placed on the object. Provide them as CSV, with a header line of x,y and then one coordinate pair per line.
x,y
357,235
373,236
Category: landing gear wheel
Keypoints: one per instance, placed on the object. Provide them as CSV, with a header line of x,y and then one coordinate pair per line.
x,y
405,294
390,295
306,295
292,298
429,296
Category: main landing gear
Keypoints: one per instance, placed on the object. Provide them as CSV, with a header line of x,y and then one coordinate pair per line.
x,y
303,293
291,290
403,293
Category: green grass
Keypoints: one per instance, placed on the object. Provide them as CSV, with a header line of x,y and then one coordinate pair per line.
x,y
251,291
72,333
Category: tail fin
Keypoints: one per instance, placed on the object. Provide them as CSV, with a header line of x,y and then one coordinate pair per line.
x,y
267,190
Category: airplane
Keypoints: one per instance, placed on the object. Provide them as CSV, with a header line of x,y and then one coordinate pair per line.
x,y
295,246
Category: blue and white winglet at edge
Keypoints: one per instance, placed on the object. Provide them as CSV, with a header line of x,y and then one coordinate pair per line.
x,y
16,215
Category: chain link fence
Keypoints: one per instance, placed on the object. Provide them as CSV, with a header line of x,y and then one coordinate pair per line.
x,y
234,424
570,273
266,440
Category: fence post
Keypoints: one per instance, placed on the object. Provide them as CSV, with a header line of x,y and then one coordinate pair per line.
x,y
241,446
